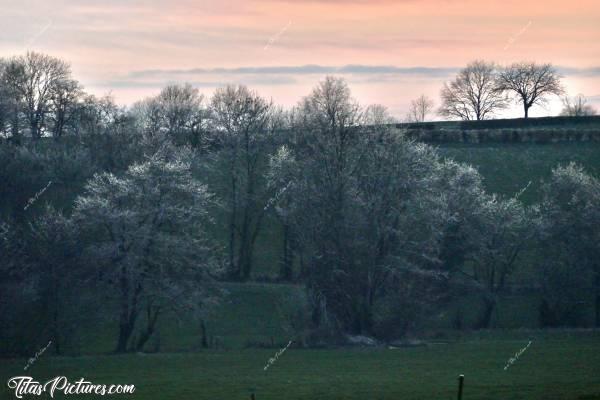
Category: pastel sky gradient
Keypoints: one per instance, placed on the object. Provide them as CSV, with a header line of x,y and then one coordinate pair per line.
x,y
389,51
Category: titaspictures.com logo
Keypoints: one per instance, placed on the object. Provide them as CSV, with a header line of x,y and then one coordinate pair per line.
x,y
26,385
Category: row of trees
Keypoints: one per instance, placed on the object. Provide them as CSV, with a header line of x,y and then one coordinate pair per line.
x,y
388,225
38,96
155,204
481,89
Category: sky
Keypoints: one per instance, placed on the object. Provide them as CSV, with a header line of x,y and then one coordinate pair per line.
x,y
390,52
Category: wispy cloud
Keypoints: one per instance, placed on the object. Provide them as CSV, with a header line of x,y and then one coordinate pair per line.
x,y
309,69
285,74
584,72
218,81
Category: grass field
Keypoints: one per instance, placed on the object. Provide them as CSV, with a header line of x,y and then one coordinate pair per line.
x,y
557,365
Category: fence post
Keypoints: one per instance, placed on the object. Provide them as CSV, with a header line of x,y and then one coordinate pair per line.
x,y
461,379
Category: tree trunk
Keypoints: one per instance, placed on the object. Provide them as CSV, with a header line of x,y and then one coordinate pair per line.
x,y
59,126
303,267
597,290
129,312
125,331
15,132
35,131
248,234
285,273
526,109
55,329
234,269
204,337
246,256
243,259
245,253
366,317
597,322
152,317
249,262
51,301
485,319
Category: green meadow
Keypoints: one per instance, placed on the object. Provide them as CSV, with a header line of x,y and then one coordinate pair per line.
x,y
557,365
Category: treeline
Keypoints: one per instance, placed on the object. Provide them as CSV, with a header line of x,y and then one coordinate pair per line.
x,y
131,214
482,89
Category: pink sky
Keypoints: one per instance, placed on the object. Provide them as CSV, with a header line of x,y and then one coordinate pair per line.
x,y
389,51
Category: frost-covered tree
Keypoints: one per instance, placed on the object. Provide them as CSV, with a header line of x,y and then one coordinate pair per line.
x,y
481,235
178,111
242,127
33,79
146,231
570,243
50,256
501,237
11,99
361,204
65,96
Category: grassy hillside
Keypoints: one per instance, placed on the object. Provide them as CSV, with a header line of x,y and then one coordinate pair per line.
x,y
558,365
507,168
584,122
252,313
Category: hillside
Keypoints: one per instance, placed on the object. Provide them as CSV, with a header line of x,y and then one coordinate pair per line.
x,y
253,313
